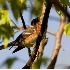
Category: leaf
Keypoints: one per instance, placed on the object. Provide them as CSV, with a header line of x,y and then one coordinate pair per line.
x,y
13,22
38,3
65,2
3,16
3,4
20,3
67,29
62,2
37,64
5,42
9,62
16,5
6,31
37,8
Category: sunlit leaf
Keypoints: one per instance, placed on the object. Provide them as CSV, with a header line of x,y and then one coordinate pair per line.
x,y
16,5
38,3
67,29
65,2
6,30
58,10
37,8
6,42
3,16
20,2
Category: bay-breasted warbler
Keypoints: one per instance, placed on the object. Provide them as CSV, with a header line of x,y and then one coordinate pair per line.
x,y
28,37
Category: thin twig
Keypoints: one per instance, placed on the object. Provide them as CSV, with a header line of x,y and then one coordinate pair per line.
x,y
57,43
31,3
18,27
29,52
51,32
22,20
59,6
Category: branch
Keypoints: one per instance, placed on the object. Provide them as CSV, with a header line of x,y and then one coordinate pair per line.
x,y
50,32
22,20
43,29
44,40
41,48
31,3
58,5
18,27
21,28
57,43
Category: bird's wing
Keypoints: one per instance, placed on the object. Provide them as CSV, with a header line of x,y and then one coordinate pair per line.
x,y
25,34
28,31
17,49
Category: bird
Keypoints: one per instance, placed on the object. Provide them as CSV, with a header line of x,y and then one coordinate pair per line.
x,y
28,37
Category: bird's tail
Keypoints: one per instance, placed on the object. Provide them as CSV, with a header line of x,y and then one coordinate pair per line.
x,y
9,44
14,43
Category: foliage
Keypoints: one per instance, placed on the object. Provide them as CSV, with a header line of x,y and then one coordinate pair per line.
x,y
3,4
37,8
67,29
58,10
64,3
16,6
9,62
6,30
37,64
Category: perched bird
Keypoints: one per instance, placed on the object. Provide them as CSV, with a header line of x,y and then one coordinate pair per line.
x,y
28,37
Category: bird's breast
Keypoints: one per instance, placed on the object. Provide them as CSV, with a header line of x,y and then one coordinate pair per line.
x,y
29,42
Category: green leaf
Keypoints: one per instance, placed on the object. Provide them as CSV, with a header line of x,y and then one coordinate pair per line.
x,y
6,31
38,3
20,3
5,42
16,5
67,29
62,2
3,16
3,4
9,62
37,64
65,2
37,8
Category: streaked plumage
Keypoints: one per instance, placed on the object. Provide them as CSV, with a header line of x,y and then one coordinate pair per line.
x,y
28,37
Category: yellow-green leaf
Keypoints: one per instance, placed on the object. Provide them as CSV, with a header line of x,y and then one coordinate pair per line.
x,y
5,42
58,10
3,16
37,8
67,29
20,2
6,31
3,4
16,5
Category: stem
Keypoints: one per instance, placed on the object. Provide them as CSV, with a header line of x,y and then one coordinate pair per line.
x,y
57,43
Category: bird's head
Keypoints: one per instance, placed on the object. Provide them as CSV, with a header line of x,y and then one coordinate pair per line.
x,y
35,21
